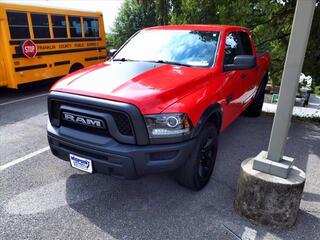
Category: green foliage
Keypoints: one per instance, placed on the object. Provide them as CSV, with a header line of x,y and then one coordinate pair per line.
x,y
133,16
317,90
110,41
312,61
270,22
195,12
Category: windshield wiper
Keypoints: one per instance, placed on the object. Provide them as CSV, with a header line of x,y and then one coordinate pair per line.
x,y
152,61
124,60
170,62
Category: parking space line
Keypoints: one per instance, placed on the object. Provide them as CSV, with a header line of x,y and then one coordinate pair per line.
x,y
23,99
19,160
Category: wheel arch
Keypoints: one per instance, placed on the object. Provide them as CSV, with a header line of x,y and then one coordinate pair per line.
x,y
76,66
212,114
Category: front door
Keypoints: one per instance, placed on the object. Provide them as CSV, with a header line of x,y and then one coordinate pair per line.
x,y
248,76
238,82
241,81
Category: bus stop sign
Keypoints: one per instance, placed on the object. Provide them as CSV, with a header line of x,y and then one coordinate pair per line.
x,y
29,49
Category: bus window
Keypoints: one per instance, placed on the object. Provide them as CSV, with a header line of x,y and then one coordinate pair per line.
x,y
18,25
91,27
75,27
40,24
59,26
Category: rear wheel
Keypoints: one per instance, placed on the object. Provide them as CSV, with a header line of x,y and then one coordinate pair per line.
x,y
255,108
75,67
196,172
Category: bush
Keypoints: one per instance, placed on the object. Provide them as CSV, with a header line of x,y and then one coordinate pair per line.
x,y
317,90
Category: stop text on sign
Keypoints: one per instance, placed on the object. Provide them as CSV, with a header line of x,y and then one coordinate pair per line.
x,y
29,49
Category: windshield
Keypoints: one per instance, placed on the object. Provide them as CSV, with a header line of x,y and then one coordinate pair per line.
x,y
181,47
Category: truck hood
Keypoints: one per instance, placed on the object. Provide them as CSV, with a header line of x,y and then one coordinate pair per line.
x,y
152,87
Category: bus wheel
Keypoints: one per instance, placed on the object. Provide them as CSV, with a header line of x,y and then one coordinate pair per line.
x,y
75,67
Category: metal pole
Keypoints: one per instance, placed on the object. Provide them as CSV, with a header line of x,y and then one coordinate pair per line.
x,y
294,60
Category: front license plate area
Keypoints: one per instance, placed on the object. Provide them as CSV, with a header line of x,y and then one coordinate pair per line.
x,y
81,163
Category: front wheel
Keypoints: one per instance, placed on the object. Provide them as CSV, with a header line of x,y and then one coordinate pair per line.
x,y
196,172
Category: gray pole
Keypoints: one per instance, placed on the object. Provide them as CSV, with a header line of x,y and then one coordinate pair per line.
x,y
269,187
294,60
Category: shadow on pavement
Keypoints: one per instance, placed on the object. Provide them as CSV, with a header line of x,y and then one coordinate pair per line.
x,y
311,197
155,207
7,94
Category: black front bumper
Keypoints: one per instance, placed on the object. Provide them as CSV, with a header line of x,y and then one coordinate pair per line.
x,y
120,160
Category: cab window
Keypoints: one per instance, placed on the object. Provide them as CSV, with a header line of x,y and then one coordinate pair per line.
x,y
59,26
237,43
40,24
75,26
18,25
91,27
232,48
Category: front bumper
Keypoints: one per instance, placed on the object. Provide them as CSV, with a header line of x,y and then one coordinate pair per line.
x,y
120,160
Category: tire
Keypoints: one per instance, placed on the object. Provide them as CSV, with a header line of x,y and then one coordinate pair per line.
x,y
196,172
255,108
75,67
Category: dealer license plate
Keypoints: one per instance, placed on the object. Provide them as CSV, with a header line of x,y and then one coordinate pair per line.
x,y
81,163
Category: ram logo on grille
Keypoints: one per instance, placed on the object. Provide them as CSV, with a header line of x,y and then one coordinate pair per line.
x,y
83,120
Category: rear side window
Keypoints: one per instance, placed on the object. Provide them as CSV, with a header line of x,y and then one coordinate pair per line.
x,y
18,25
246,43
75,27
40,24
91,27
59,26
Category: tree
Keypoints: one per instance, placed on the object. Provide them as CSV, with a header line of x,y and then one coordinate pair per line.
x,y
196,12
312,61
133,16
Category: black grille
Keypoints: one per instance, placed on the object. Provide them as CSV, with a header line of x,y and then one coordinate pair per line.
x,y
123,123
122,120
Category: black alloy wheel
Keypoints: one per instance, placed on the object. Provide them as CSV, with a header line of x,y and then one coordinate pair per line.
x,y
197,170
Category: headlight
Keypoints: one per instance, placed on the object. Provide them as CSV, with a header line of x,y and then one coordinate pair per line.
x,y
168,125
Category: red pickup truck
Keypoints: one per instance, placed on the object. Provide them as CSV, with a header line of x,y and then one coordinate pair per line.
x,y
159,103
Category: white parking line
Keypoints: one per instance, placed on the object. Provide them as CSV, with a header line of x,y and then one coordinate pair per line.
x,y
19,160
22,99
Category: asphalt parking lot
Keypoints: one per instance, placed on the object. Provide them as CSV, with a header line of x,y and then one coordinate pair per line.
x,y
42,197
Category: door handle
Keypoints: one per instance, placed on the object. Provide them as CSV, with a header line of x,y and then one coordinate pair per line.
x,y
244,75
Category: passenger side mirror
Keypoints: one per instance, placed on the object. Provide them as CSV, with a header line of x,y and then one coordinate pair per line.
x,y
112,52
241,62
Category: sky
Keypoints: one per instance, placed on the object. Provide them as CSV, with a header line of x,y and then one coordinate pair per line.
x,y
109,8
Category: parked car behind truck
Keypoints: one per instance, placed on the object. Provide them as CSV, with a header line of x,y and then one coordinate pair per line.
x,y
159,104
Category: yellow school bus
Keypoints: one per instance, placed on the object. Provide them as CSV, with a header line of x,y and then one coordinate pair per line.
x,y
38,43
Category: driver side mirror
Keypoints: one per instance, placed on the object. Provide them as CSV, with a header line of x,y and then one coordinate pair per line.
x,y
241,62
